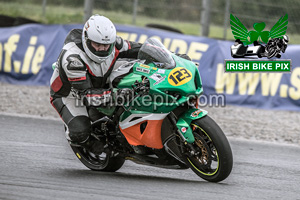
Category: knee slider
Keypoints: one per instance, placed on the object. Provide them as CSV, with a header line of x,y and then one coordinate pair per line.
x,y
79,128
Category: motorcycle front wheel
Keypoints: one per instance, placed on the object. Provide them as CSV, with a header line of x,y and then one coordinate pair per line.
x,y
102,162
213,159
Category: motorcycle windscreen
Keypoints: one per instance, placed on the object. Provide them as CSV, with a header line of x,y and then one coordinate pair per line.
x,y
154,51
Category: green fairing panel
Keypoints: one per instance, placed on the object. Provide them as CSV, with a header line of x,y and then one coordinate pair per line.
x,y
183,80
193,114
129,80
164,85
180,79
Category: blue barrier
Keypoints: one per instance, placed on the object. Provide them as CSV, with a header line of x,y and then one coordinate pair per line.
x,y
28,51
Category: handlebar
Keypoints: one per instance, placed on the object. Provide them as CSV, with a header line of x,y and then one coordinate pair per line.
x,y
141,87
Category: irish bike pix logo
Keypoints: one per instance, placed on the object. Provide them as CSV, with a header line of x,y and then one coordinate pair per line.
x,y
256,44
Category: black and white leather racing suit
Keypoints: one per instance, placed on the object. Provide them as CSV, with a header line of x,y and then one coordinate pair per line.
x,y
76,72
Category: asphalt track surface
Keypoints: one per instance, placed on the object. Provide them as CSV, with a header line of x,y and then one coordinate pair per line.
x,y
37,163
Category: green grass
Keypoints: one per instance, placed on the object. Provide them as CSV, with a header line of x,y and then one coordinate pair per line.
x,y
73,15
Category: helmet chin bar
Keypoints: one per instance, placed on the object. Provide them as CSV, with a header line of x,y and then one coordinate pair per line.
x,y
101,53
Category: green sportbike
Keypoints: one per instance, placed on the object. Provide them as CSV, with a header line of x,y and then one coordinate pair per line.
x,y
160,124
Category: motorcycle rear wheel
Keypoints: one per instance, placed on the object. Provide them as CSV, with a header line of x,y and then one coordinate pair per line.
x,y
214,161
102,162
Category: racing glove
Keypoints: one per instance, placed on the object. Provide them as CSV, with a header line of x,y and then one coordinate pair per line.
x,y
124,95
97,97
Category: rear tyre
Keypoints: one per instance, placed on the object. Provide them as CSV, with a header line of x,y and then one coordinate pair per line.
x,y
102,162
214,161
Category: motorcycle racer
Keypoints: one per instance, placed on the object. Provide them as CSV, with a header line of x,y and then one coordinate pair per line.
x,y
82,69
280,43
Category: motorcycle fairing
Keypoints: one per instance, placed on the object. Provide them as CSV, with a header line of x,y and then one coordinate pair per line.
x,y
175,85
143,129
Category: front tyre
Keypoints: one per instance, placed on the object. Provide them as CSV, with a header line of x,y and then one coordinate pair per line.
x,y
102,162
213,158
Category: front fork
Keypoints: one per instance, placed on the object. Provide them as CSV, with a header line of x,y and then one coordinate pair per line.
x,y
183,126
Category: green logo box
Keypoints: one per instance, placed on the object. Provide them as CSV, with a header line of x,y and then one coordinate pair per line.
x,y
258,65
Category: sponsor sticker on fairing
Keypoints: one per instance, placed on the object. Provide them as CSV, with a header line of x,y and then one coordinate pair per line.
x,y
143,70
158,78
196,113
162,71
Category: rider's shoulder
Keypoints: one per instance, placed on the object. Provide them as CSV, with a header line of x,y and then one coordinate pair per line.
x,y
75,62
72,57
73,42
74,36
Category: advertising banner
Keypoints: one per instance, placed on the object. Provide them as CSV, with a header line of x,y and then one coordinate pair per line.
x,y
28,51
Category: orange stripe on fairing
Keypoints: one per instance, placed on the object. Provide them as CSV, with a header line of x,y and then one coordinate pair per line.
x,y
151,137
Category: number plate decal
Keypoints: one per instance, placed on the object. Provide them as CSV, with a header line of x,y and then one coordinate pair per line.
x,y
179,76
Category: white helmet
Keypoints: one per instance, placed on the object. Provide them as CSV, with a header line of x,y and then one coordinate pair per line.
x,y
285,39
101,30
